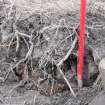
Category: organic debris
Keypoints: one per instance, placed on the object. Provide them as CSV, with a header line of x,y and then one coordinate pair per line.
x,y
38,56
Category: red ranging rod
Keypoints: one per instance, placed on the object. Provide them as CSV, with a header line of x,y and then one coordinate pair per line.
x,y
81,42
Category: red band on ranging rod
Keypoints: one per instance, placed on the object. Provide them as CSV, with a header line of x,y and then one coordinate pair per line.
x,y
81,39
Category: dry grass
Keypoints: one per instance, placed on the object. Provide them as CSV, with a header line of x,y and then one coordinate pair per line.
x,y
26,8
